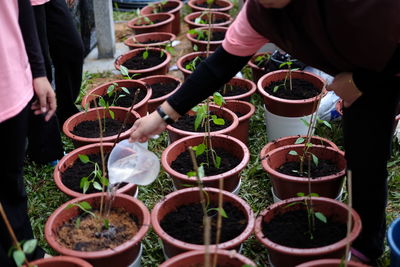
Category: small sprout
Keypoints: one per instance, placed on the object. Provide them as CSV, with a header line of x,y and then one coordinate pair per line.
x,y
315,159
293,153
220,211
321,217
145,54
199,149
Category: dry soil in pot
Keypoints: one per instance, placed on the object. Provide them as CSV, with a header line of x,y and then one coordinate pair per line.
x,y
163,88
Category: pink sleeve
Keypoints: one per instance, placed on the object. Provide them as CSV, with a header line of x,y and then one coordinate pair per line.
x,y
241,39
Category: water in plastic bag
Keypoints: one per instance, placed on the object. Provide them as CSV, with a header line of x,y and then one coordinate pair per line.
x,y
132,163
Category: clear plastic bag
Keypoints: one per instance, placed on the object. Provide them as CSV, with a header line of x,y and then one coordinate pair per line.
x,y
132,163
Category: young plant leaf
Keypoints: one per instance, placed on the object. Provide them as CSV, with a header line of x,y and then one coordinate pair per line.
x,y
97,186
103,180
276,88
217,161
29,246
124,71
315,159
112,114
199,149
293,153
84,158
320,217
327,124
19,257
110,89
314,195
102,102
125,90
299,140
195,48
84,205
220,211
191,174
145,54
218,99
217,121
300,194
106,223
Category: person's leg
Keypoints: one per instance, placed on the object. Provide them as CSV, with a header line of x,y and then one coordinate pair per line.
x,y
12,191
367,127
66,51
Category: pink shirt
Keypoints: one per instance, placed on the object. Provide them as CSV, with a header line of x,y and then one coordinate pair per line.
x,y
38,2
15,74
241,39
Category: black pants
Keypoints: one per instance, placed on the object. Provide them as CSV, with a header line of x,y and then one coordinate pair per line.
x,y
367,126
13,197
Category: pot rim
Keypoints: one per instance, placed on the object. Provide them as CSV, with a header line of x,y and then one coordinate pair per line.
x,y
123,135
286,177
188,246
159,78
169,18
322,262
244,103
57,170
50,234
391,235
192,55
306,251
192,15
104,86
62,259
224,175
176,9
192,5
252,89
131,43
213,29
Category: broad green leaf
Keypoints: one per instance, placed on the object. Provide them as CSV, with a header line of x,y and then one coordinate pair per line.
x,y
110,89
85,187
217,161
29,246
217,121
314,195
293,153
124,70
299,140
300,194
102,102
145,54
191,174
125,90
84,158
199,149
103,180
315,159
201,172
83,181
85,205
320,217
97,186
218,99
112,114
198,120
327,124
19,257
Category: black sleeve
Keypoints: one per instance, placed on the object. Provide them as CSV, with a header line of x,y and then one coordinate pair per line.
x,y
210,75
368,81
31,40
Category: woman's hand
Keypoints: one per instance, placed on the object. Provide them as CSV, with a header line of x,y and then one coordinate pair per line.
x,y
146,127
46,98
344,87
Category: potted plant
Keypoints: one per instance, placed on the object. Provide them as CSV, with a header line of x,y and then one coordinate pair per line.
x,y
83,127
199,37
70,171
210,5
112,239
120,93
188,63
305,241
167,6
234,158
162,86
60,261
238,89
145,61
152,39
179,202
259,65
195,258
200,19
161,22
331,263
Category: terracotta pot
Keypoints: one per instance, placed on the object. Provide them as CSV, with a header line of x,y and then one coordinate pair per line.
x,y
155,102
101,90
187,196
156,70
60,261
257,71
91,115
330,263
286,186
176,4
120,256
188,57
165,24
68,160
245,108
249,85
230,144
202,44
176,134
290,140
286,256
195,258
138,40
225,6
217,15
286,107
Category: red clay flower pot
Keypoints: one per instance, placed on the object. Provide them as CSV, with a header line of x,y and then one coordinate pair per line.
x,y
91,115
230,144
188,57
120,256
187,196
160,69
176,134
290,257
225,6
286,107
60,261
245,108
196,258
286,186
139,40
257,71
101,90
155,102
214,16
175,4
163,23
244,83
330,263
68,160
202,44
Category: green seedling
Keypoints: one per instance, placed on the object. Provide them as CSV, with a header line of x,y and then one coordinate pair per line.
x,y
145,54
95,178
18,253
158,7
192,65
262,59
125,73
288,76
86,208
303,156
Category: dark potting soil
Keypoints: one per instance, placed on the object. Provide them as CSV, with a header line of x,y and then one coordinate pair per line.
x,y
291,229
239,114
228,162
163,88
138,62
301,89
122,99
197,62
215,36
206,5
232,90
90,129
150,41
324,168
90,234
186,123
186,223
